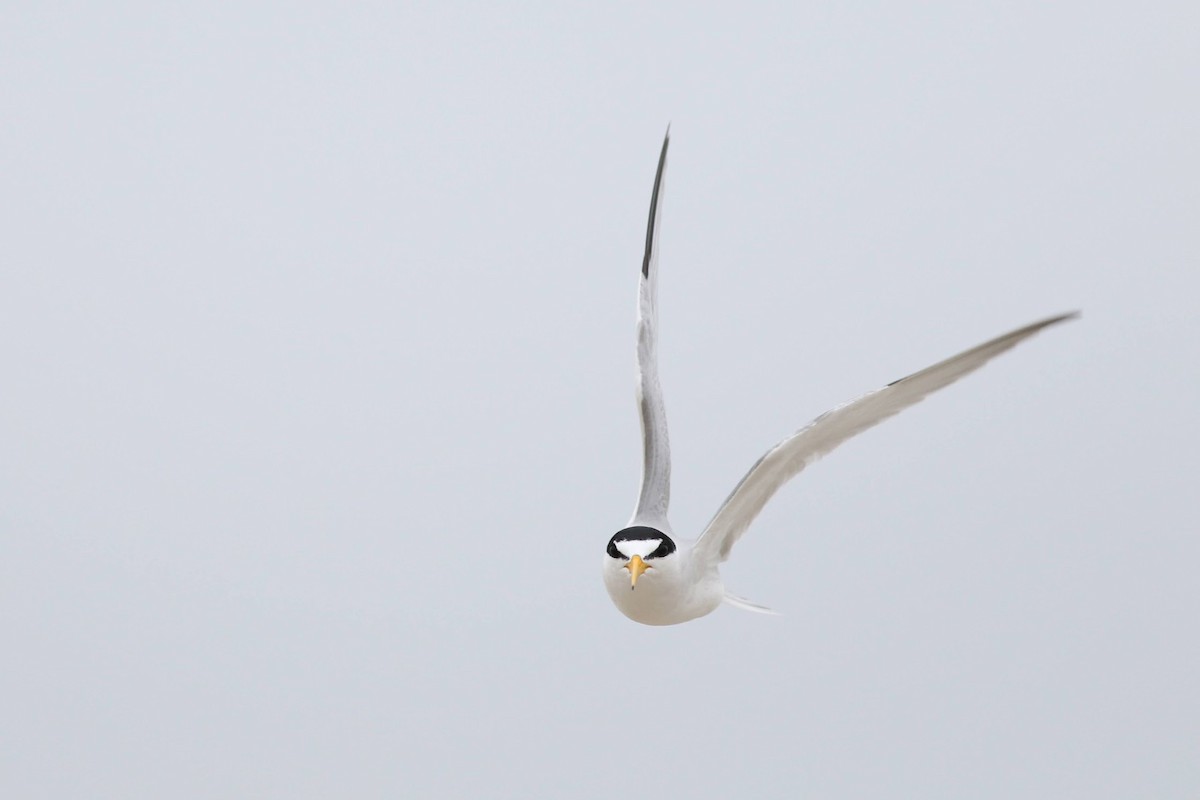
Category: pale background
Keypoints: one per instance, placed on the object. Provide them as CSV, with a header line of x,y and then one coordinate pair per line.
x,y
316,334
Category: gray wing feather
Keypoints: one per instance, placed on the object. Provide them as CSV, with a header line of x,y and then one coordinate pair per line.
x,y
793,454
655,494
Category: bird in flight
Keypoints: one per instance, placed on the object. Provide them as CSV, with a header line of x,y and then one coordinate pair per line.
x,y
656,579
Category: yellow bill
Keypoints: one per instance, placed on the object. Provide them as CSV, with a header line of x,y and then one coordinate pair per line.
x,y
636,567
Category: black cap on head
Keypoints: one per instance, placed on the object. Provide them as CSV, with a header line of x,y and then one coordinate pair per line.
x,y
641,533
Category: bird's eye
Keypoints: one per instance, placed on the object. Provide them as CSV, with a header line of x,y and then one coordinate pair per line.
x,y
613,551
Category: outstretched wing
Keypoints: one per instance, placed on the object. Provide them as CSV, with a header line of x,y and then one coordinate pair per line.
x,y
656,450
829,430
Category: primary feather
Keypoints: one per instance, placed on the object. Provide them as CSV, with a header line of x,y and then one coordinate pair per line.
x,y
655,494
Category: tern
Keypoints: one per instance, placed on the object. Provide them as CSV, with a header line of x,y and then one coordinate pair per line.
x,y
656,579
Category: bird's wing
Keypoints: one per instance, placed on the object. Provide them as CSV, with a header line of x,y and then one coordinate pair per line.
x,y
829,430
656,450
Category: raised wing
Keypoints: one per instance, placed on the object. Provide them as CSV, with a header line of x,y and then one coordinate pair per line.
x,y
656,450
829,430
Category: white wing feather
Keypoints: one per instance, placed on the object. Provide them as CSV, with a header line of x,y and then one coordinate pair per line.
x,y
829,430
655,494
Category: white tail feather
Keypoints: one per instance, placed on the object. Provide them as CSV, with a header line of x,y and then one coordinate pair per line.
x,y
746,605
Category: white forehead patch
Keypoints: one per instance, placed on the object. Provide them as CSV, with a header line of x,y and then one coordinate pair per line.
x,y
637,547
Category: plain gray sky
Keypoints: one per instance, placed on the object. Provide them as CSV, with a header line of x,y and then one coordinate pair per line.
x,y
316,328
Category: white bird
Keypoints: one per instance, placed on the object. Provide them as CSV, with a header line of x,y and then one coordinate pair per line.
x,y
655,579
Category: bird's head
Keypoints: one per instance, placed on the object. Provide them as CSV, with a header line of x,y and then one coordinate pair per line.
x,y
638,550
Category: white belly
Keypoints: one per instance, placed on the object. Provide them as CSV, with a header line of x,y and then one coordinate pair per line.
x,y
663,598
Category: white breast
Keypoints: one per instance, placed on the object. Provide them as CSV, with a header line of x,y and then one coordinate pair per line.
x,y
666,594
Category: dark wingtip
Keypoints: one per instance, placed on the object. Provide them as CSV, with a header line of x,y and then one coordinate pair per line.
x,y
1056,319
654,200
1018,334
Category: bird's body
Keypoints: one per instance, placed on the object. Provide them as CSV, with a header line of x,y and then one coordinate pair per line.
x,y
683,587
655,578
